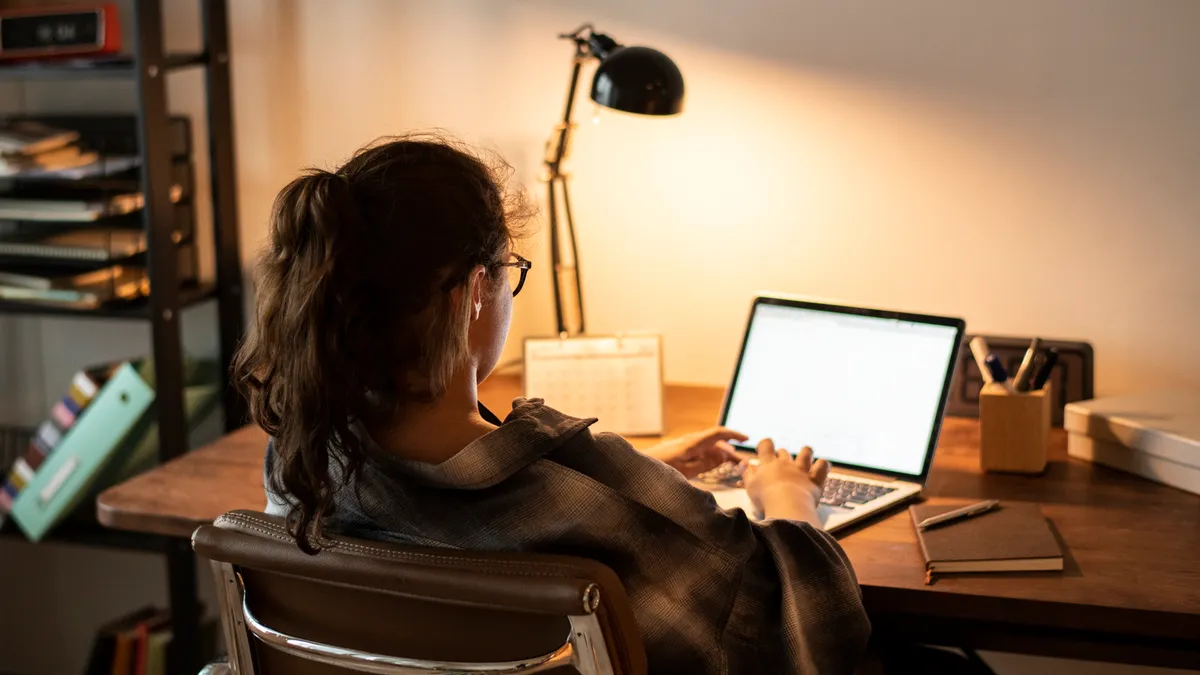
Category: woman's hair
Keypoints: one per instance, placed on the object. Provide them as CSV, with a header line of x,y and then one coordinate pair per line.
x,y
354,312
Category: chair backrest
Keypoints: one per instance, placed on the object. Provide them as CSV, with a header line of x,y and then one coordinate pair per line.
x,y
365,606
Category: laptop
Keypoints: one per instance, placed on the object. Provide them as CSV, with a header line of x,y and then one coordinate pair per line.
x,y
864,388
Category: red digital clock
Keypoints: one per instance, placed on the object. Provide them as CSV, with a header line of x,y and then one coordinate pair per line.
x,y
63,31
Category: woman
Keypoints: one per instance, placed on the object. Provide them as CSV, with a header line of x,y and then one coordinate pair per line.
x,y
384,299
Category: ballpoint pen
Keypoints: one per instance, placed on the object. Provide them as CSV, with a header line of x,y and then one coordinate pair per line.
x,y
958,514
1024,375
979,348
1035,367
1047,367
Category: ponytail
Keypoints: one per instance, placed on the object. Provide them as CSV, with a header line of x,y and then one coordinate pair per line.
x,y
306,400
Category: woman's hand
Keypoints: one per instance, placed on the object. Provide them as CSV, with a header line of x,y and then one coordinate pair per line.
x,y
696,453
785,487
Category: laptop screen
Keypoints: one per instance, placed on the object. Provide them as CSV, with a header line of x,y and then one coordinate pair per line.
x,y
864,388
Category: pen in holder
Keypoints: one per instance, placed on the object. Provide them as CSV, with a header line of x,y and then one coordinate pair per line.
x,y
1014,429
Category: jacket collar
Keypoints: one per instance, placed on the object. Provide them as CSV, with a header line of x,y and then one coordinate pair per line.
x,y
528,433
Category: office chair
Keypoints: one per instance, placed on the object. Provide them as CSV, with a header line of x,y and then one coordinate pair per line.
x,y
372,607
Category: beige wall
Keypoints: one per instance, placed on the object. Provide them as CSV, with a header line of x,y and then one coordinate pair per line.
x,y
1032,166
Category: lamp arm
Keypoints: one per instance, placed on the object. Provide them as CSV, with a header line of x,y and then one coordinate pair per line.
x,y
556,147
556,152
578,32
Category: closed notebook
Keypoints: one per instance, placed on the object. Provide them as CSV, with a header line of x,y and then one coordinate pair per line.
x,y
1014,537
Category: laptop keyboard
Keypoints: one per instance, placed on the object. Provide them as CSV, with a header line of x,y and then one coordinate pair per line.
x,y
837,492
849,493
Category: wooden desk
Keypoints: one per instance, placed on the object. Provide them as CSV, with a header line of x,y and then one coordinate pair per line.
x,y
1130,591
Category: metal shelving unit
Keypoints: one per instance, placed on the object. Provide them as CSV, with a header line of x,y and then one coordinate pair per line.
x,y
148,66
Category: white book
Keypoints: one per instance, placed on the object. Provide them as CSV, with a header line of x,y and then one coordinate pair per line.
x,y
1163,423
1143,464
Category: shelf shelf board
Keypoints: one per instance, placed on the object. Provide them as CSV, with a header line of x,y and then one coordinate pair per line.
x,y
188,296
80,530
120,67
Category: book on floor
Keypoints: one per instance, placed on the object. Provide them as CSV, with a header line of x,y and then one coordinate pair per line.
x,y
116,646
1014,537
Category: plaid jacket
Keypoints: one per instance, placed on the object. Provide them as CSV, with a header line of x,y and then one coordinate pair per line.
x,y
712,591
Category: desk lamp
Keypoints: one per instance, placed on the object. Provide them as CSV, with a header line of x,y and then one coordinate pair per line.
x,y
636,80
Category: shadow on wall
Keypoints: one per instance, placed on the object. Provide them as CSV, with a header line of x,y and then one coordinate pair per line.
x,y
931,46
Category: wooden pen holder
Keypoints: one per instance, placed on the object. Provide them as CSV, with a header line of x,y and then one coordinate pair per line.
x,y
1014,429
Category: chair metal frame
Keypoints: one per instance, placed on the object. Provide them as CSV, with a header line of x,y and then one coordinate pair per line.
x,y
583,649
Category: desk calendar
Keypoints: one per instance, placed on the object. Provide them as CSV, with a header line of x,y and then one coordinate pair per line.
x,y
617,379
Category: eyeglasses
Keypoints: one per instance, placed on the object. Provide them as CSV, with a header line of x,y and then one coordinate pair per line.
x,y
517,269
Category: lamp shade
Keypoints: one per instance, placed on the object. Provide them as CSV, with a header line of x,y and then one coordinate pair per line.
x,y
638,80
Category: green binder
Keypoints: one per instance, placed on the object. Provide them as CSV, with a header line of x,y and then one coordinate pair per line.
x,y
115,437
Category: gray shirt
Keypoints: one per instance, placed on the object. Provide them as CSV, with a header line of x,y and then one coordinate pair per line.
x,y
712,591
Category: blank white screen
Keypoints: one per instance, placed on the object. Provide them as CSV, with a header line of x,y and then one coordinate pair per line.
x,y
859,390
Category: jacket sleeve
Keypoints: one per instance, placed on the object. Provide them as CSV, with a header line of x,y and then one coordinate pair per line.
x,y
801,575
797,608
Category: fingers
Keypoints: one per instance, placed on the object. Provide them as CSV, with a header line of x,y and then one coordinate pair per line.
x,y
783,455
722,434
749,473
805,458
722,451
766,450
820,471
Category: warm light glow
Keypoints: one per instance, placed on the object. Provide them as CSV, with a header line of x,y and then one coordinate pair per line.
x,y
834,158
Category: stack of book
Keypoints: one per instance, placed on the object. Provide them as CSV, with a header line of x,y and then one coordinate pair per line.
x,y
1154,434
135,644
79,147
27,146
